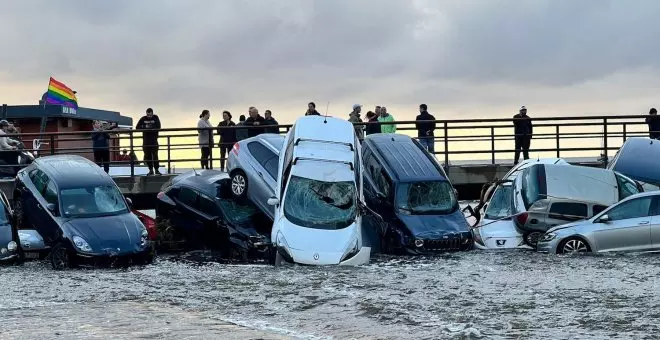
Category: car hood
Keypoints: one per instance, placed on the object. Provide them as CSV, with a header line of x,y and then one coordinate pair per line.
x,y
435,226
566,226
317,240
109,234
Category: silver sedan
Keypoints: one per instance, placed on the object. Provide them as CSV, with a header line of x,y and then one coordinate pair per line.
x,y
252,166
630,225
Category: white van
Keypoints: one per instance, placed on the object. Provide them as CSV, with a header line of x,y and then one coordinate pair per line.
x,y
319,200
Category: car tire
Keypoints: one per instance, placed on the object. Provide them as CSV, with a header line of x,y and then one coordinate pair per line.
x,y
532,238
573,245
239,184
61,257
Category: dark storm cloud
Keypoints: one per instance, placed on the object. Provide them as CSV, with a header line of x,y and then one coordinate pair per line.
x,y
214,51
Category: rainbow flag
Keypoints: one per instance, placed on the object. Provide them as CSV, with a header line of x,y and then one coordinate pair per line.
x,y
60,94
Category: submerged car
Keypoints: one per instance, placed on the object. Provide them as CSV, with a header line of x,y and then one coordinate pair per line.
x,y
9,240
197,209
318,198
413,196
547,195
630,225
252,165
494,227
79,213
639,159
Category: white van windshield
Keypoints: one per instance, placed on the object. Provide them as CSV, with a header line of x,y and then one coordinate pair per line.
x,y
320,205
426,197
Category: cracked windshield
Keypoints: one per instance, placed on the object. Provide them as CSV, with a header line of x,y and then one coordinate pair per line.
x,y
94,201
321,205
426,198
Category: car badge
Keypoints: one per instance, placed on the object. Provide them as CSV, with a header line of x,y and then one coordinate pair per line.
x,y
445,236
316,256
500,243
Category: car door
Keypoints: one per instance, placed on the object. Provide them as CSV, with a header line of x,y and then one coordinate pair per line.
x,y
184,215
628,228
264,165
655,223
208,214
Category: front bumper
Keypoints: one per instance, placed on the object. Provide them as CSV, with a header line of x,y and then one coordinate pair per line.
x,y
549,247
324,259
112,260
460,242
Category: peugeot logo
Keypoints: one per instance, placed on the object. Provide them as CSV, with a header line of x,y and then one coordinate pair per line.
x,y
500,243
316,256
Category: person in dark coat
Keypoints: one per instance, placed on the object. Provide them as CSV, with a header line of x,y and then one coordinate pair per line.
x,y
372,124
241,132
101,144
271,123
255,123
653,121
150,140
523,129
227,137
425,124
311,110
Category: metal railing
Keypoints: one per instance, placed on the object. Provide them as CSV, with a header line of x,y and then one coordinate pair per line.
x,y
481,140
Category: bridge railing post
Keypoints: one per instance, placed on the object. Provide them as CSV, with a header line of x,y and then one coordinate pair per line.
x,y
211,149
132,146
169,155
52,144
446,128
492,145
557,138
625,132
605,141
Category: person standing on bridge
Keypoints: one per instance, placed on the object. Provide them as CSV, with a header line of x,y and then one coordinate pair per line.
x,y
385,117
255,123
523,129
425,124
653,121
311,110
150,140
372,124
227,136
271,123
354,117
241,132
101,144
205,137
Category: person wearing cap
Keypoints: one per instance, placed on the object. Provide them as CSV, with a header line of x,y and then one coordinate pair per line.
x,y
385,117
354,117
8,146
523,129
653,121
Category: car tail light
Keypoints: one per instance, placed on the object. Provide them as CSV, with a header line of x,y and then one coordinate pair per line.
x,y
150,224
235,148
522,218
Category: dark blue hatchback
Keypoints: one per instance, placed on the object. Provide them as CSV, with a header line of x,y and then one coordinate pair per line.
x,y
416,203
79,212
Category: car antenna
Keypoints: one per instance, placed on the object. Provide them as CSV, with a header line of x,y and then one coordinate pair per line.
x,y
195,172
325,120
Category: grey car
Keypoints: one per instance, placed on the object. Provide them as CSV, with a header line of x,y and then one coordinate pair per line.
x,y
252,166
630,225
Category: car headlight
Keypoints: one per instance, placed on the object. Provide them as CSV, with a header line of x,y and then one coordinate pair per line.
x,y
282,247
144,237
547,237
12,246
351,251
81,244
476,234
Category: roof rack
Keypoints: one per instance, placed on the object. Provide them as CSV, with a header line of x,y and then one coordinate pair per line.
x,y
350,145
295,160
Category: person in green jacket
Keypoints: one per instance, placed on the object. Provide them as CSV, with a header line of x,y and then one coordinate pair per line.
x,y
386,117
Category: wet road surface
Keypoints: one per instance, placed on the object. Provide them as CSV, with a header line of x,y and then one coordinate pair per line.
x,y
470,295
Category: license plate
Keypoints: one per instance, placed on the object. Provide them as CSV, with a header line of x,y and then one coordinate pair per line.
x,y
31,255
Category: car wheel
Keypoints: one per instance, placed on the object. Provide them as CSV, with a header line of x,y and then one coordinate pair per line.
x,y
573,245
239,184
60,257
531,239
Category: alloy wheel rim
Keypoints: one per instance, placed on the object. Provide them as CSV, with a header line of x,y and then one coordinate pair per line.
x,y
575,246
238,184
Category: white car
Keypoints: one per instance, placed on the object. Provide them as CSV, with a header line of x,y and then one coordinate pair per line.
x,y
318,198
496,230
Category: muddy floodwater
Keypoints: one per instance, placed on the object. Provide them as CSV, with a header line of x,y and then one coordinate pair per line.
x,y
471,295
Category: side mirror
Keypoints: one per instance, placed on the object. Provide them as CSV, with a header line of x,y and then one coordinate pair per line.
x,y
273,201
51,207
130,202
604,219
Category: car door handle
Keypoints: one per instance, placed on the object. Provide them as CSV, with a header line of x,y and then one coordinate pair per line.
x,y
644,223
260,174
39,206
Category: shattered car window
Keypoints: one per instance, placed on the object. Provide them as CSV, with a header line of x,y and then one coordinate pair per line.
x,y
236,212
92,201
427,197
320,205
499,206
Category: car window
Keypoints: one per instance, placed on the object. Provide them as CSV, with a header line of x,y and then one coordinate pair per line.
x,y
626,187
187,197
39,179
378,175
207,205
569,211
50,194
499,206
260,152
530,188
598,209
271,167
632,209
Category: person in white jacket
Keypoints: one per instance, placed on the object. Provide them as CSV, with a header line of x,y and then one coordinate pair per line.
x,y
8,147
205,137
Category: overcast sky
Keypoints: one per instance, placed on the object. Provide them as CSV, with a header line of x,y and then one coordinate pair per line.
x,y
464,58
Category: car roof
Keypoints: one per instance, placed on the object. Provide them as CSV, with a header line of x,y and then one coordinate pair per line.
x,y
406,160
639,159
517,169
73,171
201,180
581,182
324,128
273,139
